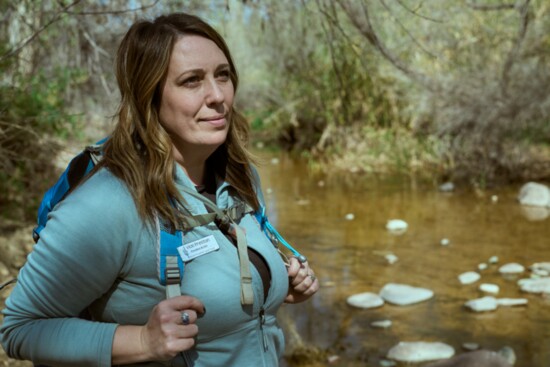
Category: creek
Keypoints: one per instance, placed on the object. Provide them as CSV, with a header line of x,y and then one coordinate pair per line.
x,y
348,257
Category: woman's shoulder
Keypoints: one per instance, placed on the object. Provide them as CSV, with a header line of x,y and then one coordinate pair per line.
x,y
101,192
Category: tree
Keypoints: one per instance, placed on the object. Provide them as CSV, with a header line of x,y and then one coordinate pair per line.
x,y
481,69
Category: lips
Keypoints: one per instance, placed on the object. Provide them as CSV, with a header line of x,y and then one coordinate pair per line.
x,y
213,118
217,121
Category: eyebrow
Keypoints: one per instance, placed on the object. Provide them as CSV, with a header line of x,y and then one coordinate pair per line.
x,y
201,71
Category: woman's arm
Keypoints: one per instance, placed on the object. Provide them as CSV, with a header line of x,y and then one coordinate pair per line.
x,y
164,335
80,255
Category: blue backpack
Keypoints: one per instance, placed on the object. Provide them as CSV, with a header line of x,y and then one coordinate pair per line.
x,y
170,264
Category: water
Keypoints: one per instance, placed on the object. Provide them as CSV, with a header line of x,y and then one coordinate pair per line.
x,y
348,257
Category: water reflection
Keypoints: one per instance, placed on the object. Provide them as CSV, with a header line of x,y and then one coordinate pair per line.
x,y
348,256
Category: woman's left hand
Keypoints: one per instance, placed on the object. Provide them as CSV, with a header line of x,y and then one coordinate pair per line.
x,y
302,281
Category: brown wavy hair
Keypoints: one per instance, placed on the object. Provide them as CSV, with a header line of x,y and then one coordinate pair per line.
x,y
139,151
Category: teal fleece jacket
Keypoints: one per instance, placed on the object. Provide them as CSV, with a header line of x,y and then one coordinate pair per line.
x,y
97,254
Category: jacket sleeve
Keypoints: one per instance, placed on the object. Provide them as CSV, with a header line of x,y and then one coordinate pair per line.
x,y
79,256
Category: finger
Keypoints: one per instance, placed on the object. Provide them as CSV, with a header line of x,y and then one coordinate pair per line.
x,y
181,345
184,341
304,284
302,275
186,317
181,303
294,267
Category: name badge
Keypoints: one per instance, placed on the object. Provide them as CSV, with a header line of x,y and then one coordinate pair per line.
x,y
197,248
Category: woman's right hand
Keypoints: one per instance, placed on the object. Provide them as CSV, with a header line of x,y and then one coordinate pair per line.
x,y
163,336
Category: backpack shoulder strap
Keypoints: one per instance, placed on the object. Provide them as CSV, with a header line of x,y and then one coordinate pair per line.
x,y
266,227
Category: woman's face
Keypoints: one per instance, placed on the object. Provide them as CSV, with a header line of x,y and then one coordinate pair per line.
x,y
197,98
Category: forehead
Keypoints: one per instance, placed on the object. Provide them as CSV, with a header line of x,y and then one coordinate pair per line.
x,y
195,52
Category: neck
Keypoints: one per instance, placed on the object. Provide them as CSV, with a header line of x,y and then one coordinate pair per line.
x,y
195,172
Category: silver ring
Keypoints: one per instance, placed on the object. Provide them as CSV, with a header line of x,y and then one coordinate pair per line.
x,y
185,318
313,277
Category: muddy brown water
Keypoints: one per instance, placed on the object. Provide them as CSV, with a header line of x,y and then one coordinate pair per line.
x,y
348,257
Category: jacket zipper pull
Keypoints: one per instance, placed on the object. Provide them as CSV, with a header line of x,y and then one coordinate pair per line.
x,y
262,322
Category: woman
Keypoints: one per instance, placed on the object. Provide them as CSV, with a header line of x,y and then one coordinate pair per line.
x,y
177,131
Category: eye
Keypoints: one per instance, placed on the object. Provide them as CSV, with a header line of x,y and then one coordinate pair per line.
x,y
191,81
224,75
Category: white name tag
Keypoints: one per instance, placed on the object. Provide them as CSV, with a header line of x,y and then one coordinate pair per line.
x,y
194,249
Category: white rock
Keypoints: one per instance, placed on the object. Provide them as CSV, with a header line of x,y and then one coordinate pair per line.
x,y
470,346
508,354
386,363
365,300
469,277
269,191
540,273
447,187
391,258
350,216
321,183
396,225
382,324
493,260
536,285
494,198
445,242
482,266
420,351
333,359
487,303
534,194
511,301
545,266
511,268
489,288
402,294
274,161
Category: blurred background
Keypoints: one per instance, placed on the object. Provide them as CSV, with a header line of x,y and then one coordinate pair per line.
x,y
360,110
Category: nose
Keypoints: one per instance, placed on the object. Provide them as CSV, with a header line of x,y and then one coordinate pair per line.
x,y
214,93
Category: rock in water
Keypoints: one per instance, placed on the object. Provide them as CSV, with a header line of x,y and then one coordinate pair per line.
x,y
396,225
508,354
536,285
479,358
447,187
420,351
381,324
487,303
511,268
541,268
468,277
365,300
512,301
403,294
534,194
489,288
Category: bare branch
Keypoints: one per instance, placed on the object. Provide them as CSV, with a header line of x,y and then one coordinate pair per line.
x,y
94,44
514,52
366,29
415,12
54,19
486,7
114,12
335,23
65,10
407,31
329,34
